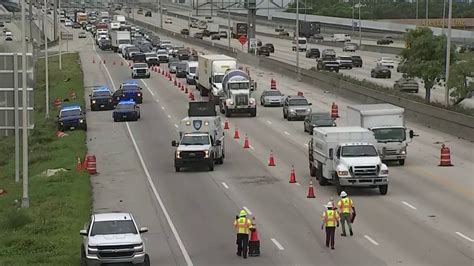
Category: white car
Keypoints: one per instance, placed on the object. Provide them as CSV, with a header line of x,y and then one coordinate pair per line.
x,y
168,21
8,36
113,238
386,61
68,23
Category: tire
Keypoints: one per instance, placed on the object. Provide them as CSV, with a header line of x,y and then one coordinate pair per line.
x,y
177,169
83,257
312,170
211,165
383,189
285,116
389,76
337,70
115,119
220,160
339,188
147,261
253,113
319,175
304,129
401,161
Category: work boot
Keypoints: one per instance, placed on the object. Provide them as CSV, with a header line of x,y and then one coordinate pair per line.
x,y
351,233
332,247
238,254
344,234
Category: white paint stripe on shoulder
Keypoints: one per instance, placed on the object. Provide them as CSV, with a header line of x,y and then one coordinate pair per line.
x,y
464,236
286,133
169,116
148,88
409,205
176,126
225,185
269,122
277,244
247,210
251,147
371,240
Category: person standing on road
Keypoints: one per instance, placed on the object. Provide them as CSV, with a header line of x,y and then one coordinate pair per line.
x,y
330,219
243,226
346,210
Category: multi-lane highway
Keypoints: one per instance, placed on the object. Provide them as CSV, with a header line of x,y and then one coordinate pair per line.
x,y
424,219
284,53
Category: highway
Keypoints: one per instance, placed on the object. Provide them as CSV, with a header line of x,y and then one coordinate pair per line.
x,y
284,53
422,221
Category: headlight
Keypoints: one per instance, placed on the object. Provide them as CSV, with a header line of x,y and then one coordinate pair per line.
x,y
342,173
292,111
62,123
231,102
139,94
252,101
308,110
138,248
206,123
110,100
403,152
93,101
177,155
384,172
206,154
81,121
92,250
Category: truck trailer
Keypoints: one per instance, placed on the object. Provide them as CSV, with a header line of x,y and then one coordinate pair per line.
x,y
239,29
211,71
118,38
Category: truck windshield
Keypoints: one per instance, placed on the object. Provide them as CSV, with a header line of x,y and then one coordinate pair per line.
x,y
238,86
390,134
113,228
218,78
195,140
124,41
125,107
302,41
359,151
296,102
73,112
192,70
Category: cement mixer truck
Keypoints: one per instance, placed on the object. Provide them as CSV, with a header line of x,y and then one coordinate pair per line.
x,y
237,88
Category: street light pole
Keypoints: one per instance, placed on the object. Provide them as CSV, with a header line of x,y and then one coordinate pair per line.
x,y
297,35
46,65
360,27
416,16
448,52
25,201
161,14
229,35
59,36
427,6
444,15
353,28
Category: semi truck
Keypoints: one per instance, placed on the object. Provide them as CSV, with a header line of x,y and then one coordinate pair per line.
x,y
211,71
308,29
118,38
237,91
239,29
388,124
201,138
346,157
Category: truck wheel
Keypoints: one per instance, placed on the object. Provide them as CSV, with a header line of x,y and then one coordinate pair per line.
x,y
339,188
401,161
220,160
285,115
83,257
211,165
312,170
383,189
253,113
177,169
228,113
146,262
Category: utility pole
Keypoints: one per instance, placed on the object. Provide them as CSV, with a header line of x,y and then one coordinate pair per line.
x,y
416,16
251,21
297,40
55,19
444,16
46,66
161,14
353,11
448,51
229,35
427,8
360,26
60,41
25,201
17,120
30,12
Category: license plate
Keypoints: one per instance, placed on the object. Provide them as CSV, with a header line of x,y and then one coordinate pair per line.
x,y
72,128
124,116
102,105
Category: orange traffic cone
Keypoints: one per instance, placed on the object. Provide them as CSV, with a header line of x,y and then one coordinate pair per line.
x,y
186,89
334,111
271,161
236,133
78,164
103,61
254,242
191,96
311,190
292,175
246,142
445,157
226,124
84,163
175,82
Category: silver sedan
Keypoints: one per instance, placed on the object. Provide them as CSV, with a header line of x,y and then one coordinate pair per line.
x,y
272,98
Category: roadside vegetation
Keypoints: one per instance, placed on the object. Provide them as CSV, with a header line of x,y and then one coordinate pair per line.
x,y
47,233
382,9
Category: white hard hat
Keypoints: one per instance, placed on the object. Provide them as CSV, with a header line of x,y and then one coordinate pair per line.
x,y
343,194
329,205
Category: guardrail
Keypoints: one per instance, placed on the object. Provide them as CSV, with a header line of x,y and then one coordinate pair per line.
x,y
454,123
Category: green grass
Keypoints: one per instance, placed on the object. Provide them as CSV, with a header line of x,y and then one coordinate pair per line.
x,y
47,233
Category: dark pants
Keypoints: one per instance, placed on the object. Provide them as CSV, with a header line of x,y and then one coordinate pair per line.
x,y
330,232
242,244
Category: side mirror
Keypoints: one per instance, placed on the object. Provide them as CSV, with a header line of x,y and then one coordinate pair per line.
x,y
143,230
131,67
90,95
331,154
411,133
173,143
218,143
83,232
310,103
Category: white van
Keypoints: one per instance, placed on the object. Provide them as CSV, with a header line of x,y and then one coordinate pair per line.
x,y
8,36
302,43
340,37
191,70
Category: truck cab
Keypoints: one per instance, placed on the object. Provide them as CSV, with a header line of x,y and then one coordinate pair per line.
x,y
201,138
347,157
300,43
237,94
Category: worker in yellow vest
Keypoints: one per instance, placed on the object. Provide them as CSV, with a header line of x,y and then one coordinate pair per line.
x,y
330,219
243,226
346,210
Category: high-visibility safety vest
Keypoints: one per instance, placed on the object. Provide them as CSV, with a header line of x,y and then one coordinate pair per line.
x,y
243,225
345,205
330,218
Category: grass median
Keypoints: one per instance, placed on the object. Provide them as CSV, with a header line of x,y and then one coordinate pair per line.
x,y
47,233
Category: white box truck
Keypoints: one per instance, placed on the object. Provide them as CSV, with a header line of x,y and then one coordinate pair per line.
x,y
388,124
119,38
121,19
346,157
211,71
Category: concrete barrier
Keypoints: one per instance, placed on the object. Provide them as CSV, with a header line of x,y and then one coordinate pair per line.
x,y
454,123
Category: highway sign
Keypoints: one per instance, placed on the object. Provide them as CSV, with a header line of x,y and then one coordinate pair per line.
x,y
253,43
242,39
67,36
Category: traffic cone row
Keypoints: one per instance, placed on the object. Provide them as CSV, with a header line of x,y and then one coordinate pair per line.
x,y
236,133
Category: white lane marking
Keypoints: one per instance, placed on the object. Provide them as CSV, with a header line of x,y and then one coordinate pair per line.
x,y
152,185
247,210
146,85
160,201
169,116
306,144
298,184
464,236
371,240
176,126
286,133
251,147
269,122
277,244
409,205
157,100
162,107
225,185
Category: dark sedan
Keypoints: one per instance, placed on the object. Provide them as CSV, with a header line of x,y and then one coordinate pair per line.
x,y
270,47
380,72
313,53
185,32
318,120
263,50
